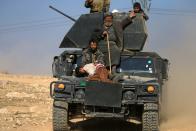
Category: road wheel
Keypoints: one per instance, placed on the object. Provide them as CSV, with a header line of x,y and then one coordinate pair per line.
x,y
60,119
150,121
150,117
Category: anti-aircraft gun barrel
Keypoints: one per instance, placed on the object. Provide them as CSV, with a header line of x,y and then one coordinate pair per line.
x,y
74,20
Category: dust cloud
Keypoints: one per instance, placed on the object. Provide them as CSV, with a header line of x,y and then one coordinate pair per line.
x,y
180,104
180,96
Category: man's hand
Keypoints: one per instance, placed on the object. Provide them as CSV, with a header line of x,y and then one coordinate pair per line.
x,y
105,33
132,14
143,14
81,70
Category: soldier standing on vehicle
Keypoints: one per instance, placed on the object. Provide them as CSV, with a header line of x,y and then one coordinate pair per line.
x,y
138,9
98,5
113,35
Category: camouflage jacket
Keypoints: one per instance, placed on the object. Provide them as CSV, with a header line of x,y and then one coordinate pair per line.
x,y
98,5
89,57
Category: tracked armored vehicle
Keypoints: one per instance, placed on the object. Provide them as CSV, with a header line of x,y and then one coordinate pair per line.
x,y
136,93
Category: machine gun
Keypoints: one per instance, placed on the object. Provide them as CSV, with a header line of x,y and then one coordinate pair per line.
x,y
60,12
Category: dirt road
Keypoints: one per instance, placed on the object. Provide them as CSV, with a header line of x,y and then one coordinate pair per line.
x,y
25,105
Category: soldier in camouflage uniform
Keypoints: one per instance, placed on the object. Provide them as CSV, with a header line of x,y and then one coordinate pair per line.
x,y
92,54
98,5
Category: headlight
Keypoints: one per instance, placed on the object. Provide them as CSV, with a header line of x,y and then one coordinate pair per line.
x,y
150,89
59,86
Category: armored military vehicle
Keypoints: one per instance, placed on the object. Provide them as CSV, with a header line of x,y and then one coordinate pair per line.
x,y
136,91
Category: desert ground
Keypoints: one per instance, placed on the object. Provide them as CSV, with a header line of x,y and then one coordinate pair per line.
x,y
25,105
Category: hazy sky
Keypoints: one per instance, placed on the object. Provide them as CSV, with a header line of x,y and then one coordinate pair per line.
x,y
30,32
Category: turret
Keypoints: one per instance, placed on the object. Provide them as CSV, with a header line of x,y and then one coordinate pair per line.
x,y
78,36
135,34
